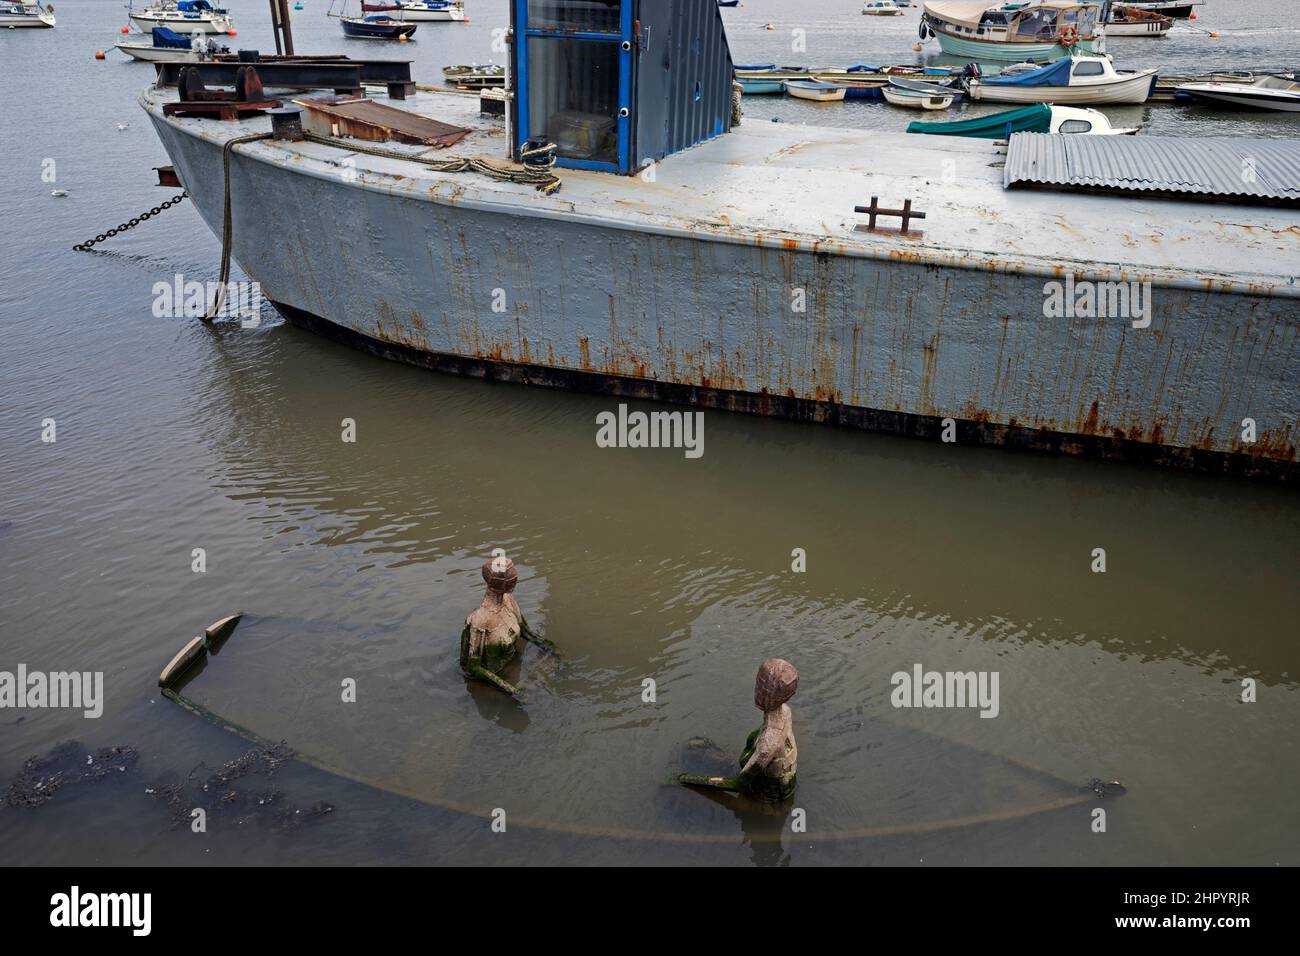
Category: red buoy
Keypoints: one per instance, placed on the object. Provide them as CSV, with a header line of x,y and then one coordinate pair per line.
x,y
99,54
126,29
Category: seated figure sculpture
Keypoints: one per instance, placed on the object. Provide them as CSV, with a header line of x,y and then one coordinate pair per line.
x,y
490,638
771,756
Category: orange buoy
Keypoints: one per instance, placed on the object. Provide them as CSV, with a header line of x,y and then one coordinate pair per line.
x,y
1213,34
99,54
402,38
234,32
126,29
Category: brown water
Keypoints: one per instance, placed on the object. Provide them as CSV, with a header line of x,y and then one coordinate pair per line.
x,y
361,560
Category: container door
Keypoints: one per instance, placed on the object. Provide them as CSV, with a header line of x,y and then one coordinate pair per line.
x,y
574,79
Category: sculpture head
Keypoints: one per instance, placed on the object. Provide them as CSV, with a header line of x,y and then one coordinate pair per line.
x,y
500,575
776,683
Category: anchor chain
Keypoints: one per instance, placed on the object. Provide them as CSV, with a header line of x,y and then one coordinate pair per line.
x,y
130,223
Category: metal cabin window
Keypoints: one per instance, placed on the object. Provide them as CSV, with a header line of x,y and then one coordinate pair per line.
x,y
574,80
597,16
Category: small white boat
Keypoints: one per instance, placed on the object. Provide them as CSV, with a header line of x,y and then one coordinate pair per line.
x,y
1136,22
431,11
812,90
1275,91
918,96
167,46
17,16
1075,79
184,16
1074,119
882,8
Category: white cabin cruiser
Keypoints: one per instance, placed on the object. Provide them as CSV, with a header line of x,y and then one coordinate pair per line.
x,y
1075,79
184,16
431,11
882,8
14,16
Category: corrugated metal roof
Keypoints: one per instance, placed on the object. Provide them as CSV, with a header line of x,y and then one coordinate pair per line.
x,y
1254,170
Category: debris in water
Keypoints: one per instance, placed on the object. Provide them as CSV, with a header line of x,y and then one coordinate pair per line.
x,y
42,777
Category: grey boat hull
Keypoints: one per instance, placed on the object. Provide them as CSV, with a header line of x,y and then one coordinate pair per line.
x,y
885,343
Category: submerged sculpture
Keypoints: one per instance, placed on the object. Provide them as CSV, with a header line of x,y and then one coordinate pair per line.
x,y
492,632
771,755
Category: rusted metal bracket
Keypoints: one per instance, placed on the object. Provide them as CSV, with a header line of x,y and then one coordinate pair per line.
x,y
196,99
907,213
167,176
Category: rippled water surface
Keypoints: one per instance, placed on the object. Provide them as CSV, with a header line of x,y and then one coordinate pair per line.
x,y
361,560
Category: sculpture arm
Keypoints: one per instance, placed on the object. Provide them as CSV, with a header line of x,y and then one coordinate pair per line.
x,y
533,637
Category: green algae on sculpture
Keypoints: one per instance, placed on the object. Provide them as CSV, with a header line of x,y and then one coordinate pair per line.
x,y
491,635
771,756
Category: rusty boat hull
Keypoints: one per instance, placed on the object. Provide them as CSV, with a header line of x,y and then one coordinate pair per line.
x,y
679,287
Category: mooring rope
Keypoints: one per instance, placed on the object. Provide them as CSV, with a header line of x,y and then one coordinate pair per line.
x,y
227,226
539,177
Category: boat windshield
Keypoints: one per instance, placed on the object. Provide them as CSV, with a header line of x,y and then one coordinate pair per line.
x,y
994,18
1036,23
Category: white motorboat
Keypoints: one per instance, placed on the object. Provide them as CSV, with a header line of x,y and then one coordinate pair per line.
x,y
16,16
1075,79
1275,91
167,46
184,16
1136,22
431,11
882,8
915,95
1074,119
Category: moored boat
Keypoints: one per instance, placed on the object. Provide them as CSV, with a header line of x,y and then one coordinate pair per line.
x,y
168,46
1039,118
1075,79
677,286
184,16
18,16
378,21
919,96
882,8
815,90
1175,10
760,85
431,11
1136,22
1274,91
1041,31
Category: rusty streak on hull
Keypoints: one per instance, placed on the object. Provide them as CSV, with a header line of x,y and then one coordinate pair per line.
x,y
927,427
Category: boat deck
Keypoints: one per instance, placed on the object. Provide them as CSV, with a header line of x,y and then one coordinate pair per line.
x,y
795,187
